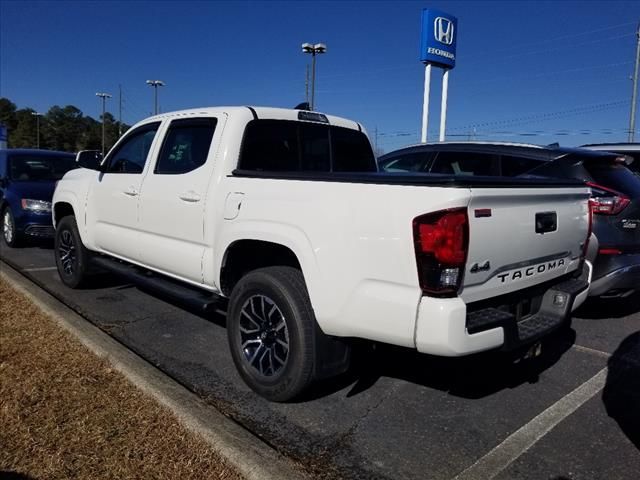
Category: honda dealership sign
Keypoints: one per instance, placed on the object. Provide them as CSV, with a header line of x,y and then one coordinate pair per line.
x,y
438,38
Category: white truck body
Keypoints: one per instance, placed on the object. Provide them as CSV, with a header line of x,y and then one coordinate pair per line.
x,y
351,235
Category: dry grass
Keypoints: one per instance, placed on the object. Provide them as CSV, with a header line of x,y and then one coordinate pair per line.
x,y
65,413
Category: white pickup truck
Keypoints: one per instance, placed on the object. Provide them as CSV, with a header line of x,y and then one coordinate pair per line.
x,y
282,214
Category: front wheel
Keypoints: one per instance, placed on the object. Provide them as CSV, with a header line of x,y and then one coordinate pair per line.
x,y
10,232
271,332
72,258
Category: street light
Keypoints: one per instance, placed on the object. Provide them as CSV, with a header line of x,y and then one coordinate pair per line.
x,y
155,84
37,115
104,97
314,50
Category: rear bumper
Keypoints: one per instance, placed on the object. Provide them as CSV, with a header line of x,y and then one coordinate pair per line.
x,y
623,275
449,327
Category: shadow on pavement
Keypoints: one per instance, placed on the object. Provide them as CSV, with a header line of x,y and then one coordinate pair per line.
x,y
621,395
601,308
8,475
470,377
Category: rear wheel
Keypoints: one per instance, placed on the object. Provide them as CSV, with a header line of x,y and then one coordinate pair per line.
x,y
271,332
10,233
72,258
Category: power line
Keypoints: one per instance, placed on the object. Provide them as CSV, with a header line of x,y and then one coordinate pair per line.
x,y
530,118
493,52
562,37
547,115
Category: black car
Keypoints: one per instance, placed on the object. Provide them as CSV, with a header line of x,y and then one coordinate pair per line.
x,y
27,180
615,193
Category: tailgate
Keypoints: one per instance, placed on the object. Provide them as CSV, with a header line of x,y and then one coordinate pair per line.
x,y
520,237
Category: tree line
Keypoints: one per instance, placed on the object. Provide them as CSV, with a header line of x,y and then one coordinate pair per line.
x,y
61,128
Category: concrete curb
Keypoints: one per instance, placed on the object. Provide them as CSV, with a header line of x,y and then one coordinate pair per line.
x,y
252,458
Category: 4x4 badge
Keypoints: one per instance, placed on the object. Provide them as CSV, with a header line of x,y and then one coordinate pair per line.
x,y
476,267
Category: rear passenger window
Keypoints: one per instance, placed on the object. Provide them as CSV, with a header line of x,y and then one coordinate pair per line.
x,y
289,146
514,166
465,163
186,146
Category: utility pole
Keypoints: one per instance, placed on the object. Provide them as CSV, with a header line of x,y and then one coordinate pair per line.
x,y
634,93
104,97
120,111
306,85
375,145
37,115
314,50
155,84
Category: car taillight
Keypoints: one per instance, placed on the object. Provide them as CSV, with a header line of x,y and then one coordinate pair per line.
x,y
605,201
589,230
441,244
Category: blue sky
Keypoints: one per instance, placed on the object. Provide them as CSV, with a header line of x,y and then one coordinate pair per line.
x,y
529,71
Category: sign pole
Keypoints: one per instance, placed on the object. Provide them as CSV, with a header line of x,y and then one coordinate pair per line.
x,y
425,104
443,105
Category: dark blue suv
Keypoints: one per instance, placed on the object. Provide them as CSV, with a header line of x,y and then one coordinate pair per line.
x,y
27,181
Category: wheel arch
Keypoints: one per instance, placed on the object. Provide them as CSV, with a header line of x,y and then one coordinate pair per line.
x,y
62,209
244,255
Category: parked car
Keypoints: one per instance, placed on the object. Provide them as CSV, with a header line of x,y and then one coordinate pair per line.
x,y
284,213
615,197
27,181
631,150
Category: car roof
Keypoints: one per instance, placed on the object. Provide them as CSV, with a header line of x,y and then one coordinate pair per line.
x,y
263,113
618,147
541,152
35,152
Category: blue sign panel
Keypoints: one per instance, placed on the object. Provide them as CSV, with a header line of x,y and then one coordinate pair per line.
x,y
438,38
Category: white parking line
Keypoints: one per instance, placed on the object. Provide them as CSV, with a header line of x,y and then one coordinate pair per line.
x,y
599,353
39,269
524,438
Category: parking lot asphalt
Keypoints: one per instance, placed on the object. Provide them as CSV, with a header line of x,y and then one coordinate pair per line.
x,y
572,413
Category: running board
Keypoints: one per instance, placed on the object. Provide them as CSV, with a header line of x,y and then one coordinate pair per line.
x,y
193,296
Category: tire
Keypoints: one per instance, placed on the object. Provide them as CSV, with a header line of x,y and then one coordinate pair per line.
x,y
269,308
10,234
72,258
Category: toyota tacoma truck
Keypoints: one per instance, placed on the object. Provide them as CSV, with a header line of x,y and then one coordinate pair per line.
x,y
281,216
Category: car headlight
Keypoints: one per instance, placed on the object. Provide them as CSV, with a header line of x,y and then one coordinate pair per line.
x,y
37,206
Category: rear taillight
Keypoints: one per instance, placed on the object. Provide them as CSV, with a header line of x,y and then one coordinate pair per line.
x,y
441,243
589,230
605,201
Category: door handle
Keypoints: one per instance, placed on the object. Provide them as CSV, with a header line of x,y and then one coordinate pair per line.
x,y
189,196
131,191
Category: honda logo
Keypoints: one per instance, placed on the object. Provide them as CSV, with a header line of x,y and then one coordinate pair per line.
x,y
443,30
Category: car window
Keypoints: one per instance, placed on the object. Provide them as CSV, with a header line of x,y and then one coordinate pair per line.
x,y
289,146
315,148
270,145
29,168
465,163
407,162
615,176
186,146
131,155
514,166
351,151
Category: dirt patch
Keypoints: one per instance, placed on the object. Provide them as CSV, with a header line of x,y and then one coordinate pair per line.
x,y
65,413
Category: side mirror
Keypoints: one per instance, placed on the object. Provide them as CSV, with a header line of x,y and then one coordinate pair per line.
x,y
90,159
